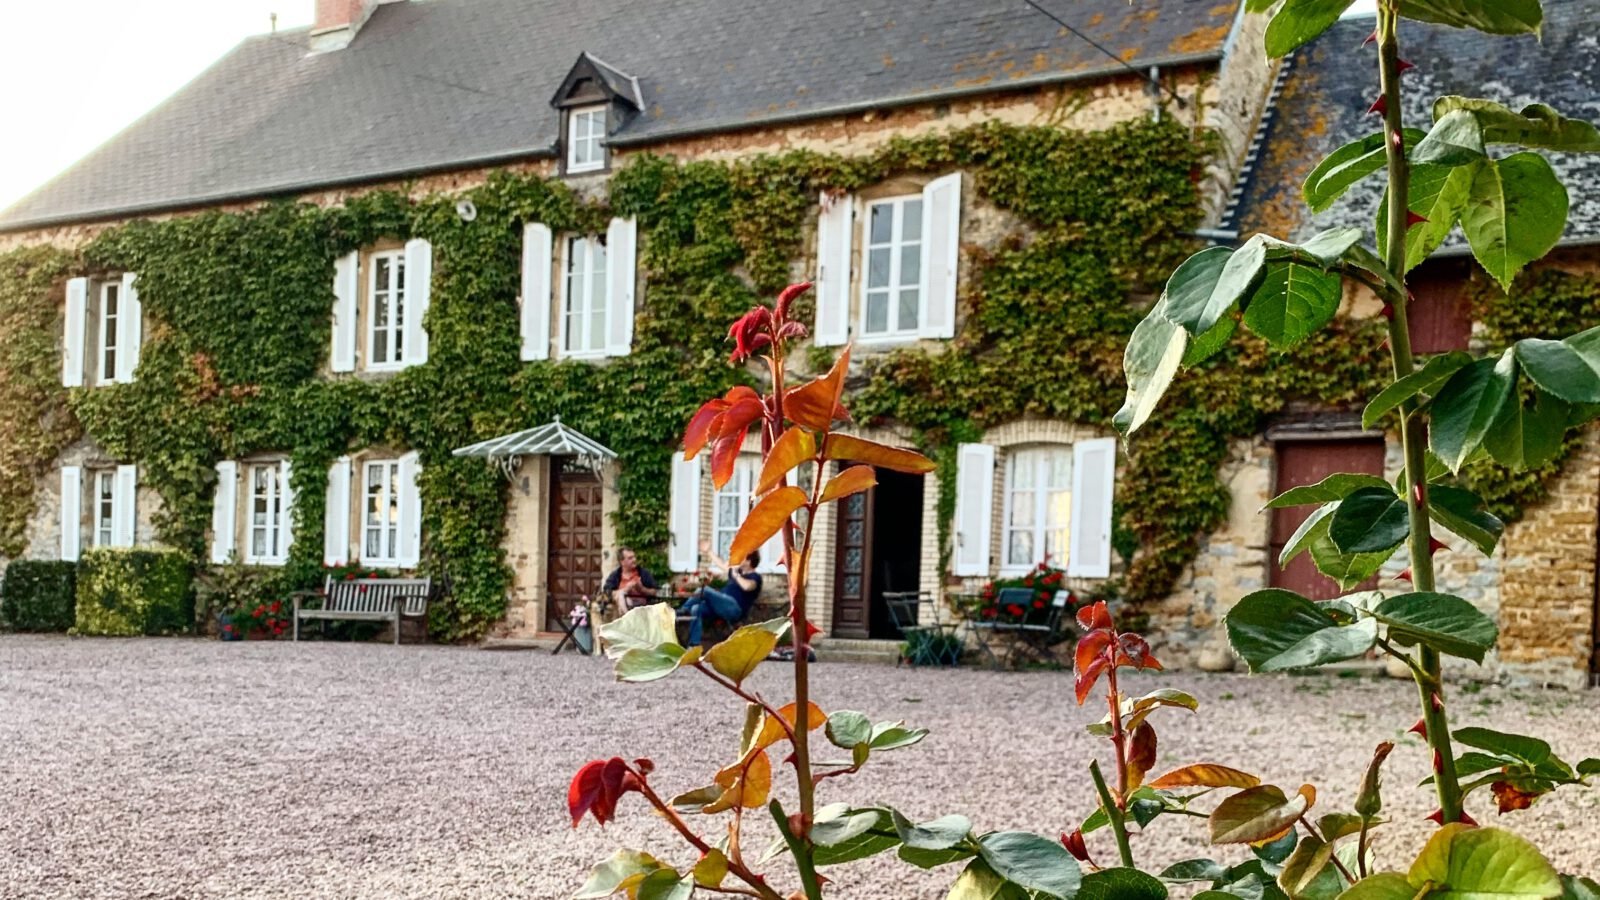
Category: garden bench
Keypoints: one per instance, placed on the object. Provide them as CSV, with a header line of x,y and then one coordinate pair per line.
x,y
366,600
1037,631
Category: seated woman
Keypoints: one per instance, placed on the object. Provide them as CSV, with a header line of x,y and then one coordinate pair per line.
x,y
732,603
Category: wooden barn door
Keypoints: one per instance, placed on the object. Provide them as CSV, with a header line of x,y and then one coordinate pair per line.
x,y
1308,462
576,551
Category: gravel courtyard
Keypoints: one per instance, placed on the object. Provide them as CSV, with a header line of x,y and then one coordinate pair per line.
x,y
184,768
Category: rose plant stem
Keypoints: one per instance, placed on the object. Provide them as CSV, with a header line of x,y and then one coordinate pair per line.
x,y
1114,814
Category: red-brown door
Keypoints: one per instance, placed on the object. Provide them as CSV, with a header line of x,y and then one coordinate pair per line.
x,y
576,553
1308,462
852,566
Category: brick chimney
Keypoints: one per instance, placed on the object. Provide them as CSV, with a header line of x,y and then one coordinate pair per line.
x,y
337,22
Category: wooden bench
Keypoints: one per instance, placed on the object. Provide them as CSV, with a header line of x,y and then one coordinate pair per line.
x,y
366,600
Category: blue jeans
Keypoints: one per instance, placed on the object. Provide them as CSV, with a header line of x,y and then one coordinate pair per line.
x,y
710,603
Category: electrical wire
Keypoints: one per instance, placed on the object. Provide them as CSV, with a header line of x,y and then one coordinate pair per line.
x,y
1098,46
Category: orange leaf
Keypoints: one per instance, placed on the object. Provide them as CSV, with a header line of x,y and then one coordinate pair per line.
x,y
765,520
745,783
843,446
851,481
1208,775
816,405
1141,756
772,732
795,447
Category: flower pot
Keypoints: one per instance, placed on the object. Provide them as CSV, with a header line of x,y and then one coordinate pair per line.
x,y
584,638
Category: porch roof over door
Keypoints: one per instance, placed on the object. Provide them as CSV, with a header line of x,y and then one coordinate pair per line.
x,y
552,439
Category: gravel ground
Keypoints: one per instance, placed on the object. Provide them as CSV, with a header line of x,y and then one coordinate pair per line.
x,y
181,768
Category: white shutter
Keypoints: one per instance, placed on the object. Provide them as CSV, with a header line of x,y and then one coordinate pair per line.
x,y
130,329
410,550
346,285
974,509
224,512
684,517
419,290
622,245
941,247
834,226
285,511
72,342
124,500
1094,469
336,516
71,512
537,264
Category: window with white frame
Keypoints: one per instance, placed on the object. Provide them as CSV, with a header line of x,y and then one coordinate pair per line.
x,y
891,286
1038,506
386,301
264,543
585,299
105,506
730,503
380,513
586,128
111,325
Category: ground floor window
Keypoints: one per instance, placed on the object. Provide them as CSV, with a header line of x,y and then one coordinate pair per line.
x,y
266,511
1038,506
380,520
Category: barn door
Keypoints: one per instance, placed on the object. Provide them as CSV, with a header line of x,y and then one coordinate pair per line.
x,y
1308,462
852,566
576,552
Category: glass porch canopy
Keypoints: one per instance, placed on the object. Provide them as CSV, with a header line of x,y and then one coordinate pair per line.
x,y
553,439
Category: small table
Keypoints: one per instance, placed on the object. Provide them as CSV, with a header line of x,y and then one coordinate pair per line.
x,y
563,608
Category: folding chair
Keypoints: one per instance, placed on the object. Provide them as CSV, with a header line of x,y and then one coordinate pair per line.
x,y
903,610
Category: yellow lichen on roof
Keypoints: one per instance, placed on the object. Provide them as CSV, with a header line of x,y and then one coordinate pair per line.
x,y
1200,39
1095,20
1129,54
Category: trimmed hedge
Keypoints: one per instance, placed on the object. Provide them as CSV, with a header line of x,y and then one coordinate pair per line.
x,y
39,595
129,592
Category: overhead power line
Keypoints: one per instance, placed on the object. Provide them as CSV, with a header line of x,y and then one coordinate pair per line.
x,y
1098,46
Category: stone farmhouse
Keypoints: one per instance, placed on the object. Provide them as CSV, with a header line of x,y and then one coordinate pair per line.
x,y
438,102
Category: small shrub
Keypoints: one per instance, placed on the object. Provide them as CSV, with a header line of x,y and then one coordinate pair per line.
x,y
39,595
130,592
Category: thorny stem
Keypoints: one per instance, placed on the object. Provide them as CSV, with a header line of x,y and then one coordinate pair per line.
x,y
1430,685
1114,814
736,867
748,697
1119,737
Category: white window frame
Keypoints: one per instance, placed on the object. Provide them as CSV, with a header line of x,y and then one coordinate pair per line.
x,y
586,131
388,496
589,302
896,246
396,295
1045,530
104,499
738,489
275,511
109,346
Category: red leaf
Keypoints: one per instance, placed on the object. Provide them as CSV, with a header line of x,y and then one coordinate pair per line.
x,y
585,790
1089,675
1075,845
764,520
816,405
1091,646
1508,797
1141,755
786,297
1095,616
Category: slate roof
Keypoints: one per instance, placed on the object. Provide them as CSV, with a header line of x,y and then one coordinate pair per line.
x,y
438,84
1325,95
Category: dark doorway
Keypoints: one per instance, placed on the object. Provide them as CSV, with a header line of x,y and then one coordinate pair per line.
x,y
1308,462
877,548
576,554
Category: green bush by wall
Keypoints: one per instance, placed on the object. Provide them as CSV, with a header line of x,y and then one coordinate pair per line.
x,y
39,595
131,592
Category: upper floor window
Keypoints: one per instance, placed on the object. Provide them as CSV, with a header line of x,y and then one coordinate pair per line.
x,y
380,302
891,292
110,301
586,129
585,299
380,513
104,329
1038,506
386,303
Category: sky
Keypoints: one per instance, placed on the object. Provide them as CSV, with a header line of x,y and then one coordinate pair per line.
x,y
133,54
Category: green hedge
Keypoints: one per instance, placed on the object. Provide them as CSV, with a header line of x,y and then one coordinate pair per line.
x,y
128,592
39,595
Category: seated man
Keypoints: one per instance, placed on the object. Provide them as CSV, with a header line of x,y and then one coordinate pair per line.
x,y
629,584
732,603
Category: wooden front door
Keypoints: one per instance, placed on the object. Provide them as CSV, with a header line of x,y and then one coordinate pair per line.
x,y
852,566
576,552
1308,462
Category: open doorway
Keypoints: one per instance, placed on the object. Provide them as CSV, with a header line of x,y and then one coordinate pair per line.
x,y
877,549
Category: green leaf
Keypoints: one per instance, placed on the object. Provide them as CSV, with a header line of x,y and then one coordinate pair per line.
x,y
1326,247
1537,125
1154,351
1491,16
1370,520
1526,437
1515,213
1465,863
1348,165
639,665
737,656
1304,865
979,882
1292,302
1313,529
1467,405
1274,630
1462,512
641,628
623,867
1576,888
1121,884
1425,380
1589,767
847,728
1568,369
1031,861
1209,285
1276,852
666,885
1300,21
1094,821
1335,487
842,834
1382,886
1348,569
1256,814
1456,140
1530,750
932,859
894,736
940,834
1337,825
1444,622
1438,194
1192,870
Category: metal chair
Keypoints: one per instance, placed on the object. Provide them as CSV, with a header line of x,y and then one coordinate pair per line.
x,y
925,642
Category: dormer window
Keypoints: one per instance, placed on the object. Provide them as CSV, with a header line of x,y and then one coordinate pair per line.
x,y
586,131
